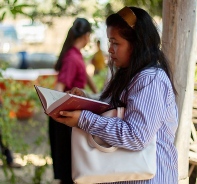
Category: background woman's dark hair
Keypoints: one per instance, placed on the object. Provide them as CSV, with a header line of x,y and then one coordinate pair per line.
x,y
147,52
80,27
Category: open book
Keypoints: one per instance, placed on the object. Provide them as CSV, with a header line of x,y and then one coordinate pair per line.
x,y
55,101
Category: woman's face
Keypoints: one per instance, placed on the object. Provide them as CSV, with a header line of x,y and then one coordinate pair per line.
x,y
119,49
86,38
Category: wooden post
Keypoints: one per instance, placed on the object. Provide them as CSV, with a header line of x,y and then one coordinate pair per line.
x,y
178,43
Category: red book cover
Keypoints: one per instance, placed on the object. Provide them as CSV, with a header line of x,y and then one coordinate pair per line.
x,y
55,101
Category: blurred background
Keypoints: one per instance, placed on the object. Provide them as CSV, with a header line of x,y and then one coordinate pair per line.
x,y
33,31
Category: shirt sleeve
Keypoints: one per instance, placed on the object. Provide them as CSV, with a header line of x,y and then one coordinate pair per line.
x,y
144,115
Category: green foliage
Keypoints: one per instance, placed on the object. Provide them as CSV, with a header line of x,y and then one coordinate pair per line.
x,y
14,95
39,171
13,7
153,6
19,98
45,12
35,10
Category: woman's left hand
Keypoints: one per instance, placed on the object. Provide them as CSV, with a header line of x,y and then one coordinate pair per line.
x,y
69,118
77,91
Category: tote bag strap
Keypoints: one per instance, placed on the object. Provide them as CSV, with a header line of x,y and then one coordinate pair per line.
x,y
120,114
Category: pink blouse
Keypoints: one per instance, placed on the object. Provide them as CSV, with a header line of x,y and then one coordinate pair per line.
x,y
73,70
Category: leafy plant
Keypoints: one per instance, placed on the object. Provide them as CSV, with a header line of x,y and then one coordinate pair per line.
x,y
39,171
13,7
19,98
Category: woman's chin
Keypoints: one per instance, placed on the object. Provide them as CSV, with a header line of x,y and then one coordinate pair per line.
x,y
116,64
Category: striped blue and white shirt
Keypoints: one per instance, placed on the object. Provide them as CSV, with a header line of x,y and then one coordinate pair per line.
x,y
151,109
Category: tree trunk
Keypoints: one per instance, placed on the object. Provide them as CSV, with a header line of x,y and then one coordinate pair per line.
x,y
179,20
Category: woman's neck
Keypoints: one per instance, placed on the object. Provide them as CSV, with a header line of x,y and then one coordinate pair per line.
x,y
79,43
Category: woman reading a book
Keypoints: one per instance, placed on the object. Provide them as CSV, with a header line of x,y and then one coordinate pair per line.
x,y
143,84
71,73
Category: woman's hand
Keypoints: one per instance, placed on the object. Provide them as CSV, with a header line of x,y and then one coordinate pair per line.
x,y
69,118
77,91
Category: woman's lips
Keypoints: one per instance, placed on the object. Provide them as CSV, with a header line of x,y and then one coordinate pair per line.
x,y
112,58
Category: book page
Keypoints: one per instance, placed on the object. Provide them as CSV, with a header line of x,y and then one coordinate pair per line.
x,y
88,99
51,95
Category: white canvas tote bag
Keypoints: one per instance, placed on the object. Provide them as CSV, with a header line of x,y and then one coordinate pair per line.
x,y
94,161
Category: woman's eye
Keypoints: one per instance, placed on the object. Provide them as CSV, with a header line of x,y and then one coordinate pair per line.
x,y
113,43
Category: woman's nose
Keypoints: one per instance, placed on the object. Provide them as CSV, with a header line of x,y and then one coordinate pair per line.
x,y
110,49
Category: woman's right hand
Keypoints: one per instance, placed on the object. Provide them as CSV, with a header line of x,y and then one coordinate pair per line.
x,y
77,91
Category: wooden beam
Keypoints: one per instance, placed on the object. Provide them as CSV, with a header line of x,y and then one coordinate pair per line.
x,y
179,21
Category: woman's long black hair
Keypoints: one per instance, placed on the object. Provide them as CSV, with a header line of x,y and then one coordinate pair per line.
x,y
146,43
80,27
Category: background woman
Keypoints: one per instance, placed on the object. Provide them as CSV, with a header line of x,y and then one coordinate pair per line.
x,y
71,73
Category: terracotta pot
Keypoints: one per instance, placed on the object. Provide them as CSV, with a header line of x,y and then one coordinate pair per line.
x,y
2,86
25,111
